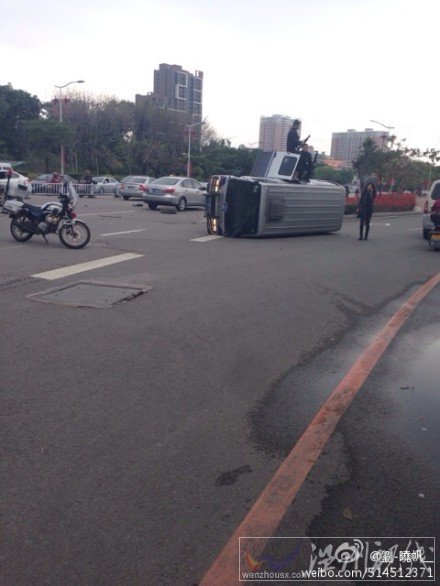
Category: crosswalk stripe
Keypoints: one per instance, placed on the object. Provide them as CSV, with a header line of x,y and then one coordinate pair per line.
x,y
85,266
206,238
125,232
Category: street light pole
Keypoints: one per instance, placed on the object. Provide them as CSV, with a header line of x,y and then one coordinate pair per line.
x,y
188,164
60,99
389,128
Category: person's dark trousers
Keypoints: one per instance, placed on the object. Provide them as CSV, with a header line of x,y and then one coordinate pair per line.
x,y
303,174
365,221
299,173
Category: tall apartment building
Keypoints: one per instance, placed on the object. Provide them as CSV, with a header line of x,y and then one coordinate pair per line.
x,y
346,146
273,132
176,89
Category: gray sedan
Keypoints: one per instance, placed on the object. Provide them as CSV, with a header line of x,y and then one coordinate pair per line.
x,y
134,186
180,192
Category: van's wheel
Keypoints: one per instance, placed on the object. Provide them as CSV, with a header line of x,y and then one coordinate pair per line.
x,y
426,233
212,226
152,206
181,206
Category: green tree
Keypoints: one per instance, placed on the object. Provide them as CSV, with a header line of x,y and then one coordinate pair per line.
x,y
16,107
160,131
218,157
43,140
406,168
100,127
369,161
327,173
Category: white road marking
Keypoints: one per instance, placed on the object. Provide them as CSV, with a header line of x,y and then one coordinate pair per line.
x,y
413,229
106,213
205,238
126,232
85,266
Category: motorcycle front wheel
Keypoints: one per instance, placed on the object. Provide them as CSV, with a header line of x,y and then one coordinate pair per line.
x,y
74,236
18,229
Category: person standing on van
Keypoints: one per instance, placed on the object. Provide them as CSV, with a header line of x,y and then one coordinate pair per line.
x,y
293,142
365,209
304,169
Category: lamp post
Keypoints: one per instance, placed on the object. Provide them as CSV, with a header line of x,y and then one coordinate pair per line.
x,y
60,87
389,128
188,164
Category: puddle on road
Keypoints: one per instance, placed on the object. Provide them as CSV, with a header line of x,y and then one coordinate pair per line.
x,y
417,392
424,375
428,369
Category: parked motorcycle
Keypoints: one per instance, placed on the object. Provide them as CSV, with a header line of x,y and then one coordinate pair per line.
x,y
50,218
434,239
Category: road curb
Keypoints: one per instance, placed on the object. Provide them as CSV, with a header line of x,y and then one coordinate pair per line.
x,y
269,509
386,215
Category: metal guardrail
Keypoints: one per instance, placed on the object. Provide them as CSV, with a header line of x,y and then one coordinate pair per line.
x,y
38,188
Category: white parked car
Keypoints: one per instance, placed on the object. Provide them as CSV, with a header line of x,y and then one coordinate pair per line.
x,y
106,185
19,185
180,192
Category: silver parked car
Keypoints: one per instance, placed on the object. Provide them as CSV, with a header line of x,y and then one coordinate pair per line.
x,y
181,192
134,186
106,185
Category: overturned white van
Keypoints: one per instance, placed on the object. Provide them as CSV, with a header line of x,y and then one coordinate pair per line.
x,y
270,203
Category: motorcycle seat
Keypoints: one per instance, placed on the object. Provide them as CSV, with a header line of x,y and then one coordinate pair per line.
x,y
32,208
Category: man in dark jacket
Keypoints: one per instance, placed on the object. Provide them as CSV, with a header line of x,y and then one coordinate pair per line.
x,y
305,165
293,142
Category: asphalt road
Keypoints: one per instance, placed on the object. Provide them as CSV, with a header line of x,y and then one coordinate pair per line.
x,y
135,438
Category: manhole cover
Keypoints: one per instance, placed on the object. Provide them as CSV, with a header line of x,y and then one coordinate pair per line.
x,y
89,294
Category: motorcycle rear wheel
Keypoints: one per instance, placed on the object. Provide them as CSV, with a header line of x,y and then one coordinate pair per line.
x,y
18,230
75,236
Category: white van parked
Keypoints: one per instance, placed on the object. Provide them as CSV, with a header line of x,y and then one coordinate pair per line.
x,y
433,195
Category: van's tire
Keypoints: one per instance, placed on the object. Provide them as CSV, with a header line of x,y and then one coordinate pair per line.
x,y
426,232
152,206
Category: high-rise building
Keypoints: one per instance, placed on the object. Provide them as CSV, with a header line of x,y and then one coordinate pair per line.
x,y
346,146
178,90
273,132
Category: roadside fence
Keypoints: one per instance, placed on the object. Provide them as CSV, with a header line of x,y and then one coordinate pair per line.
x,y
55,188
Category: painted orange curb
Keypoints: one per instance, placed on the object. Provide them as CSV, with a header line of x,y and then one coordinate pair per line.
x,y
270,508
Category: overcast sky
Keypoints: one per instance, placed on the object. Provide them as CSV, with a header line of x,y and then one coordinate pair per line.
x,y
334,63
